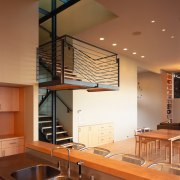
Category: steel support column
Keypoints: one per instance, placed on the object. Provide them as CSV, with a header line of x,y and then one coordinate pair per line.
x,y
54,32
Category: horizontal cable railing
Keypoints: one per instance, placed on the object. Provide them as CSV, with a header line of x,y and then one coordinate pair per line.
x,y
81,61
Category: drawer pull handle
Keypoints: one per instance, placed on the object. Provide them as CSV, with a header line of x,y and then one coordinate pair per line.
x,y
13,143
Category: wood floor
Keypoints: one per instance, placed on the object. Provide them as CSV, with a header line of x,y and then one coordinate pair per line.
x,y
128,147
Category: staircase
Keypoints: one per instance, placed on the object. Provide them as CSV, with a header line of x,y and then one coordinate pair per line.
x,y
69,64
45,131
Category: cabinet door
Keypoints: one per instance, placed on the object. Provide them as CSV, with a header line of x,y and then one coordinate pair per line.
x,y
12,143
0,150
9,99
93,135
5,99
12,146
83,135
15,99
12,150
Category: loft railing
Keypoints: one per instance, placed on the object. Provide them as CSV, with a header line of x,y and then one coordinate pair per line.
x,y
80,61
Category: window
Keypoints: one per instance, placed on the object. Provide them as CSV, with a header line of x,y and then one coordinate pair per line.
x,y
177,85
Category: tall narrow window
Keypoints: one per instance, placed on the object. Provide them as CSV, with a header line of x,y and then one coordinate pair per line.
x,y
177,85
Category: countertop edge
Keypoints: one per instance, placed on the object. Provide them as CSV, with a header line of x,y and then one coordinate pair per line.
x,y
108,166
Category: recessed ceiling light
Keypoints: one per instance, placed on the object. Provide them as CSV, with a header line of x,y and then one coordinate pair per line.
x,y
172,37
114,44
134,53
142,56
163,30
125,49
153,21
101,39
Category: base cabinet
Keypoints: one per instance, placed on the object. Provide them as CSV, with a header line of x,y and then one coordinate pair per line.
x,y
95,135
12,146
0,150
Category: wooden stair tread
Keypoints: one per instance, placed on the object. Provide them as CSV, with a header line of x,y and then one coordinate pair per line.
x,y
60,132
45,121
42,116
49,127
65,138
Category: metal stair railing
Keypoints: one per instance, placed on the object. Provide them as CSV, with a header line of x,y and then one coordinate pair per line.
x,y
87,62
68,108
44,97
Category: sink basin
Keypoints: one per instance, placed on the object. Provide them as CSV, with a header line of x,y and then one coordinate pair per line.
x,y
60,178
38,172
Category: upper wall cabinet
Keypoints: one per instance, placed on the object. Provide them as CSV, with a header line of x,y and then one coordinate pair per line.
x,y
9,99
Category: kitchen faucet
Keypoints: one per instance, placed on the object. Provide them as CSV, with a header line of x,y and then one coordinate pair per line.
x,y
68,151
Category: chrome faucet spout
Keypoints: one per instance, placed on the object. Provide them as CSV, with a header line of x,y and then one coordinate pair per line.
x,y
68,166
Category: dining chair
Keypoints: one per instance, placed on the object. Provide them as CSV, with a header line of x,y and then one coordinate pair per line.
x,y
148,129
176,145
128,158
165,167
145,141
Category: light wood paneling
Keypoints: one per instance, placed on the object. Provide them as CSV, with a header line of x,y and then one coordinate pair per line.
x,y
13,145
6,123
9,99
19,116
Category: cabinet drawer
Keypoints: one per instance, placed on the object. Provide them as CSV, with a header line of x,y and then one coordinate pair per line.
x,y
13,143
12,150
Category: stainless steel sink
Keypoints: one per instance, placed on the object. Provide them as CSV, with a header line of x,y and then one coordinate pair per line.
x,y
38,172
60,178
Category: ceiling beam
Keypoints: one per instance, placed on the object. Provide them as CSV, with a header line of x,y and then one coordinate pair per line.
x,y
58,10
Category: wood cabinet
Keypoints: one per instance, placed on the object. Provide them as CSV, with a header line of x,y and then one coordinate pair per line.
x,y
106,134
95,135
9,99
83,135
10,146
0,150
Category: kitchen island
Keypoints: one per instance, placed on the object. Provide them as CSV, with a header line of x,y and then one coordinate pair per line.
x,y
109,169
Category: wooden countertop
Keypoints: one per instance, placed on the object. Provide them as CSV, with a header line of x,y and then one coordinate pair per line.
x,y
109,166
9,136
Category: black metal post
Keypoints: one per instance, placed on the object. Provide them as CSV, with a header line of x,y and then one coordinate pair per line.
x,y
54,32
62,61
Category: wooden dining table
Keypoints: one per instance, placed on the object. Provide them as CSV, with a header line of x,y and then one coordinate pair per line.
x,y
161,134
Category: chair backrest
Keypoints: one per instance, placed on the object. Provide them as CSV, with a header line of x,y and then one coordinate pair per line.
x,y
78,146
101,151
129,158
136,132
146,129
165,167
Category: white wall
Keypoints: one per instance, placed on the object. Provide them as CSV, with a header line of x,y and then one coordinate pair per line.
x,y
119,107
176,110
19,40
150,103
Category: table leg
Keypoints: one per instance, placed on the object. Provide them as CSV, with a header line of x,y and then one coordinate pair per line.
x,y
139,146
170,153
